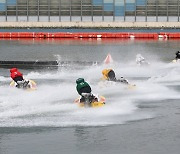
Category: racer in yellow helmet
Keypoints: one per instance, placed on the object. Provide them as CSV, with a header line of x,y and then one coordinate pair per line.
x,y
109,75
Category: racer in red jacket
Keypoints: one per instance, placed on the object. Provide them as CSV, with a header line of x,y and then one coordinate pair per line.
x,y
17,76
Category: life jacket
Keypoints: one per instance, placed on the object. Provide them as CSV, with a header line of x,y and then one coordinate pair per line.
x,y
15,73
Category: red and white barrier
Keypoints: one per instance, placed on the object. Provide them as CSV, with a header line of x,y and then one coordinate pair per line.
x,y
44,35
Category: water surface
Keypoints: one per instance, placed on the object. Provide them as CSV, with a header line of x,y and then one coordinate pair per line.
x,y
46,121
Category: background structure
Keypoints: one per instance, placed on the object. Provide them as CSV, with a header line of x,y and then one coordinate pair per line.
x,y
89,10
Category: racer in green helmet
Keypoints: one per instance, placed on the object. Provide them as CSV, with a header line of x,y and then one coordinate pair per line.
x,y
83,87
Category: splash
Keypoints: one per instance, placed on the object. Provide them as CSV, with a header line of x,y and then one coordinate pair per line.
x,y
52,104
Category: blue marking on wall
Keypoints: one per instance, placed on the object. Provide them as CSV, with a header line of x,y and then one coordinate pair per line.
x,y
130,6
141,2
119,11
11,2
108,7
97,2
2,6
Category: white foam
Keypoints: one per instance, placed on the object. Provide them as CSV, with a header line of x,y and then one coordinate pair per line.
x,y
52,104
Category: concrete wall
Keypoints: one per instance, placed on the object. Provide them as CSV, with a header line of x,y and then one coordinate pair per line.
x,y
89,24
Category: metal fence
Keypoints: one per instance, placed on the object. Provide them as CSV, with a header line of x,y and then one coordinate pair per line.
x,y
89,10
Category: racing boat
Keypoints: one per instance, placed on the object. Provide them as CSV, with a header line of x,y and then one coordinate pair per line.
x,y
126,85
28,85
90,103
140,60
131,86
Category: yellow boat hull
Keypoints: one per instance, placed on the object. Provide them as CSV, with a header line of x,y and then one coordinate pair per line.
x,y
95,104
131,86
176,61
104,84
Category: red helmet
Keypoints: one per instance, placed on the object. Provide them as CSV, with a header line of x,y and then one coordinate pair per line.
x,y
13,70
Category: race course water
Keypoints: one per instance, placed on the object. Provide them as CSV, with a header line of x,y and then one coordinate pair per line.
x,y
141,120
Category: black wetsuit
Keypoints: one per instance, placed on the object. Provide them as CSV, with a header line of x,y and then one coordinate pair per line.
x,y
18,78
112,77
86,89
122,81
24,85
177,55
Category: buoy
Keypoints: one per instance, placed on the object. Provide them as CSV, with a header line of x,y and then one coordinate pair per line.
x,y
108,59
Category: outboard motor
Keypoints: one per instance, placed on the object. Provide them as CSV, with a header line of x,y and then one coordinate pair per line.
x,y
87,99
23,84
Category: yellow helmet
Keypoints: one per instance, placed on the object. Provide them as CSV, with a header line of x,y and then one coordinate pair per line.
x,y
105,72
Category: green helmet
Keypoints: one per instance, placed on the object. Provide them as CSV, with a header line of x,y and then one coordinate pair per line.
x,y
79,80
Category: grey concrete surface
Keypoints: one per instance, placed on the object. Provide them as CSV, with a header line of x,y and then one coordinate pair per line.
x,y
90,24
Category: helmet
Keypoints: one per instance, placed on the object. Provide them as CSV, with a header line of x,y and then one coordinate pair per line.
x,y
13,70
105,71
79,80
